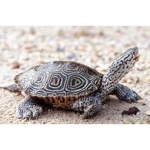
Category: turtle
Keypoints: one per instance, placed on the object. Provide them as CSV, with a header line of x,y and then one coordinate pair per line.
x,y
72,86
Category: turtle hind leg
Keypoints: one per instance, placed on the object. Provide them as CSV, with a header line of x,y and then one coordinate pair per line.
x,y
125,94
89,105
11,87
30,108
91,110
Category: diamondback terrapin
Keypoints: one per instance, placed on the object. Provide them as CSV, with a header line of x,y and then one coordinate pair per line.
x,y
74,86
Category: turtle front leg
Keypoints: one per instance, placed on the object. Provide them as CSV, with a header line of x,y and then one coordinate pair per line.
x,y
125,94
29,108
89,105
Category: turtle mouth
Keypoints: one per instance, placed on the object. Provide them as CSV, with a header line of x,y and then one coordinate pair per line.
x,y
137,57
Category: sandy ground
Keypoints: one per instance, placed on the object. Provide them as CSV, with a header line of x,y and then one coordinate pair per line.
x,y
24,47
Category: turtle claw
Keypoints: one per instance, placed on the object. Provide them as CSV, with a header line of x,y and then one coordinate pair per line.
x,y
27,114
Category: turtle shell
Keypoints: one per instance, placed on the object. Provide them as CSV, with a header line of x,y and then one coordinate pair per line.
x,y
59,80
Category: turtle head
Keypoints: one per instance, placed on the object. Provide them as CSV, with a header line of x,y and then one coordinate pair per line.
x,y
122,65
119,68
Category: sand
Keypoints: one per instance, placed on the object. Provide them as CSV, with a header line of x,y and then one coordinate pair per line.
x,y
25,47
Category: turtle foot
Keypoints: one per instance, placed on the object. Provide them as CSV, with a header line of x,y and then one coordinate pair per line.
x,y
28,108
126,94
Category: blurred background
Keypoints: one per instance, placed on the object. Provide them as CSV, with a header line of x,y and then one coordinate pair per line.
x,y
24,47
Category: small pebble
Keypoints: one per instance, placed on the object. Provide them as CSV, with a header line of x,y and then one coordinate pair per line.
x,y
129,81
59,49
15,65
28,49
148,79
141,102
32,30
147,113
138,122
145,122
131,111
148,121
127,121
101,33
71,56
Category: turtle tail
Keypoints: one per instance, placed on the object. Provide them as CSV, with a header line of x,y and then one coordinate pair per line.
x,y
11,87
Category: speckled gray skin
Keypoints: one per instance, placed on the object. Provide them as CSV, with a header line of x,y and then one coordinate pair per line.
x,y
90,104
